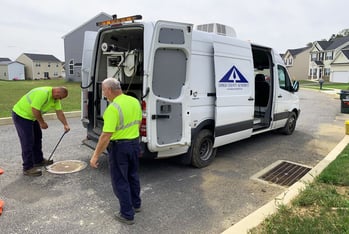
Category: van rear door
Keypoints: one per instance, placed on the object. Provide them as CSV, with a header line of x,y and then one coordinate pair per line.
x,y
234,81
167,103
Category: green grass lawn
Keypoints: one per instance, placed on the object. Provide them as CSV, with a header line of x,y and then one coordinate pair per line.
x,y
325,86
12,91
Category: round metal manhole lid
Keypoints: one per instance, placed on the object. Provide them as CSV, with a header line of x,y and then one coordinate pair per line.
x,y
66,167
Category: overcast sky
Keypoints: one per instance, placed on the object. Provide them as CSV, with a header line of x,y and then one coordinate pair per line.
x,y
37,26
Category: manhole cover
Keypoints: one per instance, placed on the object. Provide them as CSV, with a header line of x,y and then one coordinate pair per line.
x,y
65,167
285,173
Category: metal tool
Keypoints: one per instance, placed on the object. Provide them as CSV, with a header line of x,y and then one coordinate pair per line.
x,y
60,139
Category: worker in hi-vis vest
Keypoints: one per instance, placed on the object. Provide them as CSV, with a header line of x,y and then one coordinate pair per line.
x,y
122,120
27,115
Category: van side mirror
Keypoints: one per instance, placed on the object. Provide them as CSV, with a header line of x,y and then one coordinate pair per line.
x,y
295,86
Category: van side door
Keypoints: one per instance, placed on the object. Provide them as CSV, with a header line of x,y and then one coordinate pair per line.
x,y
168,122
234,81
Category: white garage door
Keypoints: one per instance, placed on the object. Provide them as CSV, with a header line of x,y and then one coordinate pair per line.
x,y
340,77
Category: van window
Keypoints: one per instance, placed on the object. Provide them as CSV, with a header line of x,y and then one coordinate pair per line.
x,y
284,79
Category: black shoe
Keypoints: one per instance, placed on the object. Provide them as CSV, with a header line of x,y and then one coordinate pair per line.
x,y
137,210
124,220
32,172
44,162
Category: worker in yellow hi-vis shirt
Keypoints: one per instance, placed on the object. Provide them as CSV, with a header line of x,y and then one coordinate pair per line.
x,y
122,119
27,115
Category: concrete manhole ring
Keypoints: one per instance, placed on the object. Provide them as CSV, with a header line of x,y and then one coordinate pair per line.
x,y
66,167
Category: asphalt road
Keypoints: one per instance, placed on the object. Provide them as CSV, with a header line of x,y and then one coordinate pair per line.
x,y
176,198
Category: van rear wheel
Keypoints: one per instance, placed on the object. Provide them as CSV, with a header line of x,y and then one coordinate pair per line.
x,y
202,151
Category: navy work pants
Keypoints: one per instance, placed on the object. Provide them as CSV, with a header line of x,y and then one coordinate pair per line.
x,y
123,163
30,137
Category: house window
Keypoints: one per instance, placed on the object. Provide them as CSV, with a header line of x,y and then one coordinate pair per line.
x,y
329,55
37,65
321,56
5,74
313,56
49,65
71,67
327,71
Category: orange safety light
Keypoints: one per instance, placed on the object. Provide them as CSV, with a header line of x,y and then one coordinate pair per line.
x,y
118,20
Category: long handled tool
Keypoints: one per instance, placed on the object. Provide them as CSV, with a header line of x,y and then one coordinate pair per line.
x,y
60,139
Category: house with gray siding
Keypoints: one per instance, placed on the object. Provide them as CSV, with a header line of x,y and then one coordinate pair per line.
x,y
40,66
73,46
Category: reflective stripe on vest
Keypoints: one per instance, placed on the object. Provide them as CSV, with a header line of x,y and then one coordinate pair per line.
x,y
121,119
28,94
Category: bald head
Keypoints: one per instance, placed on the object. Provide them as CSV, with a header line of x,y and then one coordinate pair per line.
x,y
59,92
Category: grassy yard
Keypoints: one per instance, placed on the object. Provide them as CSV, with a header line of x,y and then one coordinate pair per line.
x,y
325,86
322,207
12,91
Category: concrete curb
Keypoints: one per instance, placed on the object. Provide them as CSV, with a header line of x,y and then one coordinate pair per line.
x,y
258,216
49,116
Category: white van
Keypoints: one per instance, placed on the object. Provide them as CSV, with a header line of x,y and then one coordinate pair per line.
x,y
198,90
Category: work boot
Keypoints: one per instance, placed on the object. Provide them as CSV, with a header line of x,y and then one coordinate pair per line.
x,y
137,210
124,220
44,162
32,172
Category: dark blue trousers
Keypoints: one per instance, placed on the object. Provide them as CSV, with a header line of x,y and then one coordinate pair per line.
x,y
30,137
124,164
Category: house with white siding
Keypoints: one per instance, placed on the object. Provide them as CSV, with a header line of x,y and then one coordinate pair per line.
x,y
328,60
11,70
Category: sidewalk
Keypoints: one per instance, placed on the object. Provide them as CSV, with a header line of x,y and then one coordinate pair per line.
x,y
257,217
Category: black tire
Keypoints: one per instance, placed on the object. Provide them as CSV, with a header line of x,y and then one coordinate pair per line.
x,y
202,151
290,125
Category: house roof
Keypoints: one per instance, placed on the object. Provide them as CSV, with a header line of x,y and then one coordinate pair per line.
x,y
346,53
4,59
9,62
338,42
102,13
42,57
333,44
324,44
294,52
319,63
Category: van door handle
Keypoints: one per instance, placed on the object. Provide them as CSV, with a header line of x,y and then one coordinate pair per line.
x,y
279,96
250,98
160,117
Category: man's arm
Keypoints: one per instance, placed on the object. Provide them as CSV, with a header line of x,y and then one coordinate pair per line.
x,y
38,116
102,144
61,117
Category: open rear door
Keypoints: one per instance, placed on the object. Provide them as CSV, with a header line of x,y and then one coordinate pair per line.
x,y
87,54
234,81
167,102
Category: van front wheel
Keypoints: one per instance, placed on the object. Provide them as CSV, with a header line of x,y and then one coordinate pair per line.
x,y
290,124
202,151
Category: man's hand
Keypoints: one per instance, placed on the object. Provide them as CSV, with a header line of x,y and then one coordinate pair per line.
x,y
94,162
43,125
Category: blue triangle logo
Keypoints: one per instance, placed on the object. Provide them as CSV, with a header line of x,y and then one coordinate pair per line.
x,y
234,76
